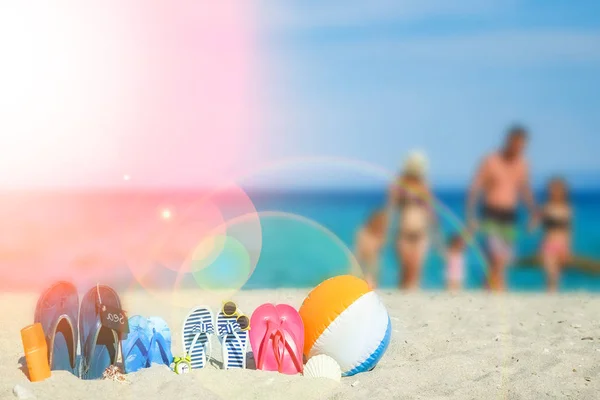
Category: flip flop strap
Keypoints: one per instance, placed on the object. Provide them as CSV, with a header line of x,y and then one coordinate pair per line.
x,y
206,327
239,341
280,345
88,348
232,329
229,328
138,343
160,341
210,329
90,344
196,336
261,350
202,328
278,350
294,351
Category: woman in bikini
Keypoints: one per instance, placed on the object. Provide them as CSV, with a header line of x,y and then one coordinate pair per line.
x,y
556,219
411,196
555,252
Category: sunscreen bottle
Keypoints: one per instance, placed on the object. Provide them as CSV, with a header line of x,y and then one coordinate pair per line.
x,y
36,352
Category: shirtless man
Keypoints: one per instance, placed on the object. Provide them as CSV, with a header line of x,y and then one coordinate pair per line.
x,y
502,178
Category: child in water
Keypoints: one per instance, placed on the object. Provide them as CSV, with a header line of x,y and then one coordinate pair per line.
x,y
369,242
556,217
455,263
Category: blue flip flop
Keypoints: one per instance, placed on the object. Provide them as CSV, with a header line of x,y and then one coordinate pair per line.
x,y
99,345
160,342
57,310
136,345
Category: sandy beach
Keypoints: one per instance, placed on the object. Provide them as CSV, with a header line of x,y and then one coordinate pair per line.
x,y
465,346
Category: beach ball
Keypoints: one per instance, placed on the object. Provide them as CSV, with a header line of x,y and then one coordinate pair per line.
x,y
344,319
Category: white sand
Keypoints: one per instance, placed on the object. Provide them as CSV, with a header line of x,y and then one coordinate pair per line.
x,y
468,346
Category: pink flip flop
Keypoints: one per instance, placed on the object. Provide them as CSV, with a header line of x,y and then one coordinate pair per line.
x,y
277,338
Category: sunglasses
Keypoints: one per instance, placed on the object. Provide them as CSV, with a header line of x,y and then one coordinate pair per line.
x,y
230,309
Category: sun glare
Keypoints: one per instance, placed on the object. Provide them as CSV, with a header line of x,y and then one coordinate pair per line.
x,y
89,89
166,214
60,77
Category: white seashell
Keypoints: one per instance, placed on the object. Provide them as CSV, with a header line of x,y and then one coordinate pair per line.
x,y
323,366
22,392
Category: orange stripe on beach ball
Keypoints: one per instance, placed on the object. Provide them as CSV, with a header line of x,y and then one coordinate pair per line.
x,y
326,302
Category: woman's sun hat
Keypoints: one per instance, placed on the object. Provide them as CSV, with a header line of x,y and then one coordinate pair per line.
x,y
416,164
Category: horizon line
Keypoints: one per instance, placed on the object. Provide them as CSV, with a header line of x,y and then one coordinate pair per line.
x,y
251,189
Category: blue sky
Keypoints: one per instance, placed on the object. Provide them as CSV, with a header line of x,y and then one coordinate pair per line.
x,y
371,80
294,92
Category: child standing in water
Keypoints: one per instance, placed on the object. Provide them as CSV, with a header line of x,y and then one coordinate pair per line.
x,y
455,263
556,217
369,242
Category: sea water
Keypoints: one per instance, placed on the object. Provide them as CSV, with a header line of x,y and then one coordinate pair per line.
x,y
293,239
342,212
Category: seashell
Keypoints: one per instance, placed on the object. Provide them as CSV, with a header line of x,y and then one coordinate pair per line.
x,y
114,373
22,392
323,366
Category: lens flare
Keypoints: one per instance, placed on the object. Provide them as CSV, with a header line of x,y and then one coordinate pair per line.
x,y
299,252
168,245
229,269
197,249
288,253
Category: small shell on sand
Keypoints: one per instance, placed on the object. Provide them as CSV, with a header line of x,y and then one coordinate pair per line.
x,y
22,392
114,373
323,366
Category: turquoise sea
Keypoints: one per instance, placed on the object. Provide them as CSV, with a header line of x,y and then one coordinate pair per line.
x,y
245,239
342,212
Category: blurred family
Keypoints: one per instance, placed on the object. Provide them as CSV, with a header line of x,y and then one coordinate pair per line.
x,y
501,183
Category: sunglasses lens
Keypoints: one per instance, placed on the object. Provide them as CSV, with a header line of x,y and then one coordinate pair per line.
x,y
229,308
243,321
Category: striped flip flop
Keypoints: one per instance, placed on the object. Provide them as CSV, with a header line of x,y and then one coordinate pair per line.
x,y
196,328
232,327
